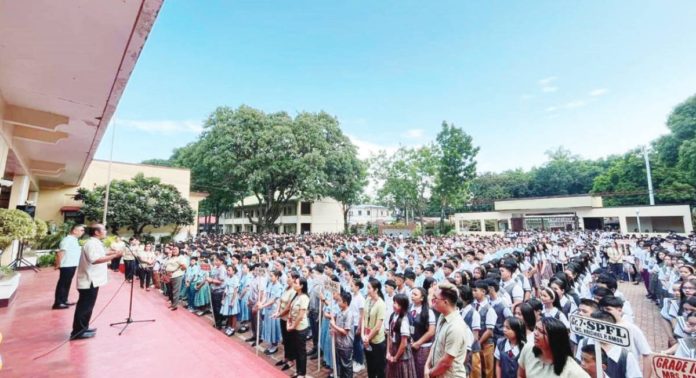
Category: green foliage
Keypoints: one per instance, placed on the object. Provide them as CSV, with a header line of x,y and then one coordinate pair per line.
x,y
273,157
456,167
41,230
52,240
46,260
159,162
147,238
165,239
15,225
136,204
407,178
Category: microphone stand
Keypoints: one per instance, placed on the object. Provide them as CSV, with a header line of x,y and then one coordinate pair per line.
x,y
129,319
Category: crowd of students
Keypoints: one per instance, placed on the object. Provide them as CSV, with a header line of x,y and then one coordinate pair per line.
x,y
401,299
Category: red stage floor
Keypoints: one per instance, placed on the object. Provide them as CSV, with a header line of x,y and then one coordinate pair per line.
x,y
178,344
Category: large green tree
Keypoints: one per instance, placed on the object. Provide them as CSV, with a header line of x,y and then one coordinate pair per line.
x,y
407,178
347,178
274,157
136,204
456,167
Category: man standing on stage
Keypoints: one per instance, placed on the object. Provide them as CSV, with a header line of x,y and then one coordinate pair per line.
x,y
67,258
91,274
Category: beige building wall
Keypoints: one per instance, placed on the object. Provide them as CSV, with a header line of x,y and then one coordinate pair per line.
x,y
326,217
549,203
51,200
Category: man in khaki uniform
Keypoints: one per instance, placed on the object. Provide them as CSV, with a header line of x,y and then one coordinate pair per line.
x,y
452,336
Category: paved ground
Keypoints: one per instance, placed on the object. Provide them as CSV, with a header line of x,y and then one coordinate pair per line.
x,y
30,328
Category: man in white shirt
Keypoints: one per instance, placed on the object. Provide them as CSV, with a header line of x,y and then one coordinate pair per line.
x,y
91,274
67,258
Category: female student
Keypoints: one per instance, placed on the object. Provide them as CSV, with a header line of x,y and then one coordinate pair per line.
x,y
508,349
399,354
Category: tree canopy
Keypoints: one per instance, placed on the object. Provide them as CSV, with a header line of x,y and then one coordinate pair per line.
x,y
136,204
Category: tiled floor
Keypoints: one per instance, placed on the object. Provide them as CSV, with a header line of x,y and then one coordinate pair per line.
x,y
177,344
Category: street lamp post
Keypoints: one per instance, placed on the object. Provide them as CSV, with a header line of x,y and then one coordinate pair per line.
x,y
647,170
638,220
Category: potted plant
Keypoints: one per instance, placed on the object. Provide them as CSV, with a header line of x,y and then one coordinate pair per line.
x,y
14,225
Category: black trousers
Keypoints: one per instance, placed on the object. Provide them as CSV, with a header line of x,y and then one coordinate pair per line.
x,y
115,262
83,309
314,326
130,268
63,285
216,296
145,277
287,344
298,341
376,359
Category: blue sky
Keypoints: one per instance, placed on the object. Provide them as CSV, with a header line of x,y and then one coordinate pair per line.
x,y
596,77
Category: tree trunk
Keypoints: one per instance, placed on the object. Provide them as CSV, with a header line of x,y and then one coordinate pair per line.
x,y
346,230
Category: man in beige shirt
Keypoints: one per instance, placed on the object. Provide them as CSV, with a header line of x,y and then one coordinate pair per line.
x,y
452,336
91,274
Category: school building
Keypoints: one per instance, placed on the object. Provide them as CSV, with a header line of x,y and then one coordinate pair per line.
x,y
583,212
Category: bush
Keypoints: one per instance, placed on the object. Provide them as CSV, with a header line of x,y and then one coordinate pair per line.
x,y
147,238
46,260
15,225
165,239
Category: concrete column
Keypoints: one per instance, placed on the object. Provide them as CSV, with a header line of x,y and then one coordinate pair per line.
x,y
20,191
623,227
4,151
482,223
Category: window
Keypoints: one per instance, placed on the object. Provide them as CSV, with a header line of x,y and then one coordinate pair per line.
x,y
350,213
368,213
359,212
238,213
290,210
75,217
306,208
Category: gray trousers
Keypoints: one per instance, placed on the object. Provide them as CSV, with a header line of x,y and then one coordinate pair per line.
x,y
344,363
176,290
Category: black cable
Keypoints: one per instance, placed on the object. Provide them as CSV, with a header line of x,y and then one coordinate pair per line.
x,y
90,323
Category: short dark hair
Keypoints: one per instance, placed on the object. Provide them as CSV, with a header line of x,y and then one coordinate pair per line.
x,y
449,292
346,297
93,229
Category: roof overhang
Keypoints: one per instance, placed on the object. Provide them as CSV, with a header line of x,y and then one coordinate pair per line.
x,y
63,68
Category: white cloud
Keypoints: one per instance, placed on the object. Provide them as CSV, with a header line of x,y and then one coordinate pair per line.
x,y
598,92
414,133
547,81
575,104
162,126
367,149
550,109
547,84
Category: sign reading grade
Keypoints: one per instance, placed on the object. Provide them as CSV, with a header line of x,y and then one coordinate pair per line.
x,y
333,286
673,367
599,330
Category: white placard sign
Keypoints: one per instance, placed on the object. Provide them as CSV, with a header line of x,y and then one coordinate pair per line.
x,y
599,330
673,367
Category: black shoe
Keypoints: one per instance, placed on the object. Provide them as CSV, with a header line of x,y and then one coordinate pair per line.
x,y
91,330
83,335
243,330
70,303
285,367
312,356
269,352
253,344
250,339
60,306
281,362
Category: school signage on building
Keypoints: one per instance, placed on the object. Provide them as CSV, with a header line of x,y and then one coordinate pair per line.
x,y
673,367
599,330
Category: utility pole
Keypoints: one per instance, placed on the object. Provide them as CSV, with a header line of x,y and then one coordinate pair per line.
x,y
647,170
